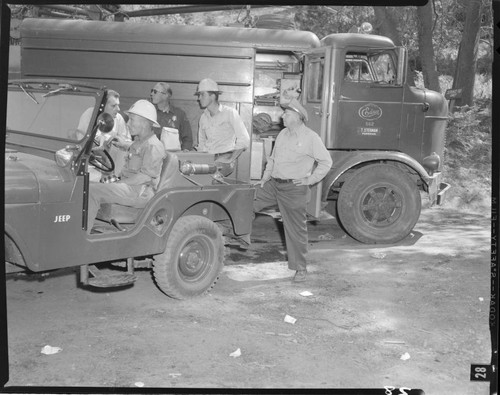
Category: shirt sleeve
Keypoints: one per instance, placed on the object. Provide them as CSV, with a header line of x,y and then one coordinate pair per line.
x,y
84,121
185,131
202,138
241,133
322,158
153,160
270,161
121,128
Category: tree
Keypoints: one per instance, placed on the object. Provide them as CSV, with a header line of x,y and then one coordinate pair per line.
x,y
426,47
387,25
465,71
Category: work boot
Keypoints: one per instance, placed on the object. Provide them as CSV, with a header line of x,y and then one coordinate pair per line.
x,y
300,275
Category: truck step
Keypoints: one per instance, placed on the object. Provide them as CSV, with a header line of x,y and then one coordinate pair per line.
x,y
104,280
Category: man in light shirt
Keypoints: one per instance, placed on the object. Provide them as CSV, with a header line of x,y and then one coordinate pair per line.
x,y
221,128
287,178
116,141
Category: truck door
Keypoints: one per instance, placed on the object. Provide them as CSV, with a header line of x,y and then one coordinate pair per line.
x,y
317,100
369,105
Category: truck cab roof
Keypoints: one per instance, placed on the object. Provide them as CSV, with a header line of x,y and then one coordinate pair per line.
x,y
344,40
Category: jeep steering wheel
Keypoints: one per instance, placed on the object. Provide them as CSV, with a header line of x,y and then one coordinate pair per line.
x,y
101,160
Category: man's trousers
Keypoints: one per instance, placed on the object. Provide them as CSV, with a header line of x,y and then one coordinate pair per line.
x,y
117,192
292,202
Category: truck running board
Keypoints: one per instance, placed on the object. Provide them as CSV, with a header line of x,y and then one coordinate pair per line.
x,y
106,280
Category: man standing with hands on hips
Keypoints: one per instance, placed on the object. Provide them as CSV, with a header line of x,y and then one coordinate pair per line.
x,y
287,178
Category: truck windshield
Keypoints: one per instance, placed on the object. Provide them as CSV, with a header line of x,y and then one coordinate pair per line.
x,y
51,115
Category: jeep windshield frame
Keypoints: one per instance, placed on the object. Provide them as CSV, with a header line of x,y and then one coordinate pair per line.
x,y
50,111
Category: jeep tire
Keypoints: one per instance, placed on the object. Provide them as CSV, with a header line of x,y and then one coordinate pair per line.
x,y
193,258
379,204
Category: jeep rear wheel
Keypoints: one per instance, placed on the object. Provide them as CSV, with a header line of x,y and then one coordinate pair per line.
x,y
193,258
379,204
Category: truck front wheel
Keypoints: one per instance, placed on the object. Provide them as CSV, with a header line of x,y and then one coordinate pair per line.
x,y
379,204
193,258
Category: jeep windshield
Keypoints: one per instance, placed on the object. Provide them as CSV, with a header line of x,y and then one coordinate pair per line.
x,y
51,110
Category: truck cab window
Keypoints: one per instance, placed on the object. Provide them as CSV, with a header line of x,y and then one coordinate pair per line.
x,y
371,68
357,70
383,68
315,80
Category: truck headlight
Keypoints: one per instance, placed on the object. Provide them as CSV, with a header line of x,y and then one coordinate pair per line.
x,y
432,163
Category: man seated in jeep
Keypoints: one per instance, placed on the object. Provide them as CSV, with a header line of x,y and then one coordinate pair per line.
x,y
116,141
140,174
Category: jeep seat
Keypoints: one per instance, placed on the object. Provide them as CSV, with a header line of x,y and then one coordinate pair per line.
x,y
127,214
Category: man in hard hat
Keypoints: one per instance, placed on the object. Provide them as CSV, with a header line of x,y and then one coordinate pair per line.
x,y
287,178
141,173
169,117
221,128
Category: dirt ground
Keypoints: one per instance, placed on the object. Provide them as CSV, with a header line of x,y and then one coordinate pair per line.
x,y
411,315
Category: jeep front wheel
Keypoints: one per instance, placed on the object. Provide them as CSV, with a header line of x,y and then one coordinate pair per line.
x,y
379,204
193,258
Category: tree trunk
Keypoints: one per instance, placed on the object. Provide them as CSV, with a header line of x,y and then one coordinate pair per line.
x,y
465,72
387,25
426,48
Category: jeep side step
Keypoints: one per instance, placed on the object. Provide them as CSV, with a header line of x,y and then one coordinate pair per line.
x,y
105,280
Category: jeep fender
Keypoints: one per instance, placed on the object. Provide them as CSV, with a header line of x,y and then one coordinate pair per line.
x,y
351,160
15,244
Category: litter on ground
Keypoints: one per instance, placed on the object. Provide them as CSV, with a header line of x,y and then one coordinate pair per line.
x,y
49,350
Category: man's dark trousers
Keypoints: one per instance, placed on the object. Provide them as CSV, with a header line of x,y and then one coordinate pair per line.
x,y
292,202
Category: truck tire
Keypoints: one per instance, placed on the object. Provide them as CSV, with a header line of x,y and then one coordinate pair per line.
x,y
193,258
379,204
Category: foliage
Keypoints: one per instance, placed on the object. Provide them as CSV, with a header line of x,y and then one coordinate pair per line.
x,y
467,162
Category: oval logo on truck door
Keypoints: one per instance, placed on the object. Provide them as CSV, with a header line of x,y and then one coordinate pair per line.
x,y
370,112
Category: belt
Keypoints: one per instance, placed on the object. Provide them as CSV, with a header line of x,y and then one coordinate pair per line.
x,y
281,180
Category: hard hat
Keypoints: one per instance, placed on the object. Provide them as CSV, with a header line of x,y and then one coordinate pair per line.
x,y
144,109
294,105
207,85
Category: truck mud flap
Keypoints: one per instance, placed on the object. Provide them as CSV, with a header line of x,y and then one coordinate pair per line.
x,y
443,188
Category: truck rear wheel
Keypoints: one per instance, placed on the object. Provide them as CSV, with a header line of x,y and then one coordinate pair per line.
x,y
379,204
193,258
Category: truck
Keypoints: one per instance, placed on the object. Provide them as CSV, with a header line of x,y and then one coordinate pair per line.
x,y
386,139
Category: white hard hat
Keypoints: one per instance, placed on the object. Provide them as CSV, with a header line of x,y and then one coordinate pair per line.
x,y
144,109
207,85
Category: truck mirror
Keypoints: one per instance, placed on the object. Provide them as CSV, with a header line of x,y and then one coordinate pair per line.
x,y
402,66
105,122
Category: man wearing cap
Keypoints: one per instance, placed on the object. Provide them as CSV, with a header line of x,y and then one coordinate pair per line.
x,y
169,116
141,173
287,178
221,128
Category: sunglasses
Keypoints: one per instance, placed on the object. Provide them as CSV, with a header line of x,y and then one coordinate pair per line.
x,y
154,91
